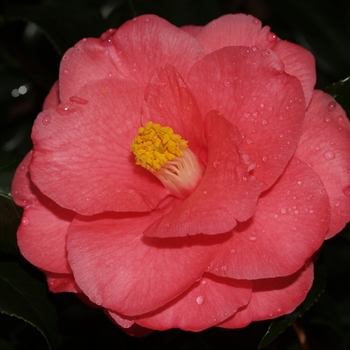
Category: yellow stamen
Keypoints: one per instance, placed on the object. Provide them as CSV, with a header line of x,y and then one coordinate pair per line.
x,y
155,145
158,149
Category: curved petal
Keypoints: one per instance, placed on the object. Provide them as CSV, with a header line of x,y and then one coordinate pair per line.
x,y
139,274
41,236
289,226
192,30
82,157
148,42
273,297
52,100
324,146
266,106
207,303
226,194
59,282
169,102
245,30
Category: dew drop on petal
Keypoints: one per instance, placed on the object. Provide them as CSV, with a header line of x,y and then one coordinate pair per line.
x,y
328,155
331,106
25,221
283,210
340,119
271,36
216,164
204,282
79,100
233,251
199,300
252,239
46,119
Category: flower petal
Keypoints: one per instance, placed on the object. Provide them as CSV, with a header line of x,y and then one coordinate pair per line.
x,y
120,269
324,146
41,236
52,100
273,297
59,283
82,157
245,30
207,303
226,194
169,102
289,226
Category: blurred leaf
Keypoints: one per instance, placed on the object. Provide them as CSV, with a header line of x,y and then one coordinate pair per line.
x,y
63,25
4,345
279,325
10,214
341,92
26,298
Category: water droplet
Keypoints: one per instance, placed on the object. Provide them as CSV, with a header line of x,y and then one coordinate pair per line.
x,y
340,119
346,191
255,21
244,51
275,216
216,164
65,71
271,36
79,100
204,282
252,239
224,267
25,221
283,210
205,192
279,310
299,182
199,300
227,83
64,111
328,155
233,251
264,122
327,119
331,106
46,119
167,225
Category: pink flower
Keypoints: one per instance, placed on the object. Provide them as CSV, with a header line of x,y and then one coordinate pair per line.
x,y
256,177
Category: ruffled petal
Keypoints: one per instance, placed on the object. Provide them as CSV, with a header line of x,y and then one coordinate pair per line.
x,y
289,226
266,106
169,102
82,157
245,30
324,146
42,233
207,303
120,269
273,297
226,194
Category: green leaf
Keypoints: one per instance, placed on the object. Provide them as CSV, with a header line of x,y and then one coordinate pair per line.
x,y
10,214
341,92
26,297
62,24
279,325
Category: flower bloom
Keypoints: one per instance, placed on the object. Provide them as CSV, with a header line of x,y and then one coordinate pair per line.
x,y
184,177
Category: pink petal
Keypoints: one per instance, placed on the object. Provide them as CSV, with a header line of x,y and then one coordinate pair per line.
x,y
207,303
274,297
119,319
300,63
82,157
245,30
120,269
324,146
59,283
42,234
266,106
289,226
148,42
169,102
231,30
226,194
87,61
192,30
52,100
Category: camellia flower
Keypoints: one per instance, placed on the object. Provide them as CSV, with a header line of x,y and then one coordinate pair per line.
x,y
184,177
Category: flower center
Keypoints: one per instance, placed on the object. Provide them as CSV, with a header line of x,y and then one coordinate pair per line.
x,y
167,156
